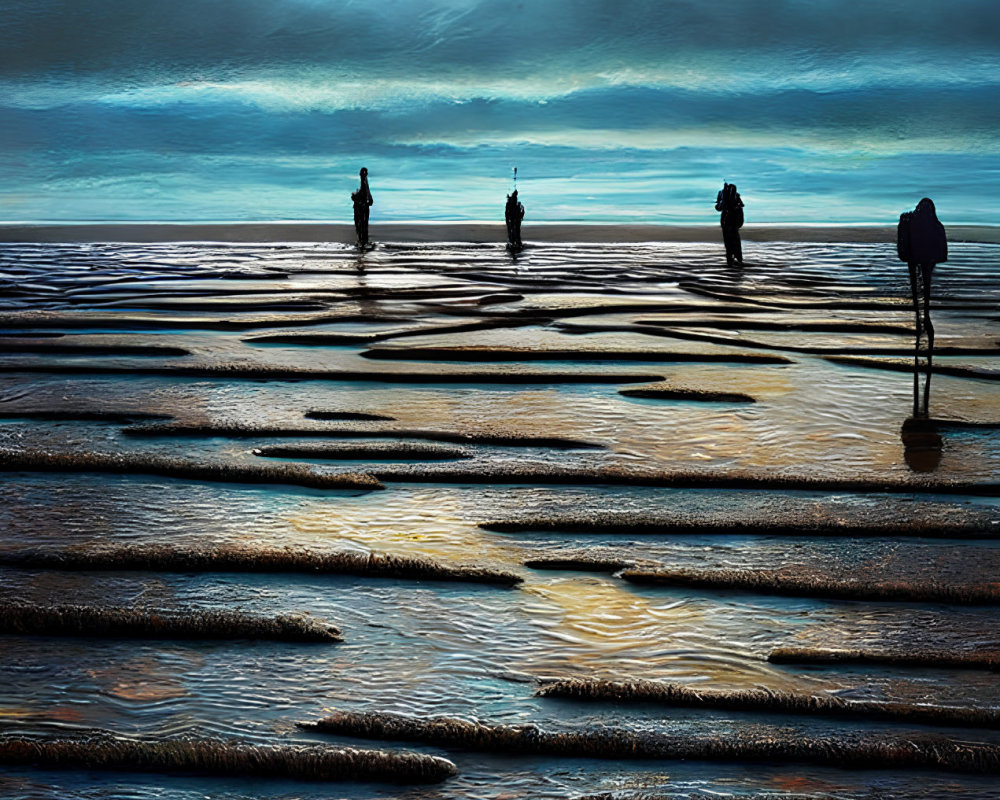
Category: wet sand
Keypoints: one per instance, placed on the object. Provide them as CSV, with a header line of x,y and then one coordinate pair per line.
x,y
191,431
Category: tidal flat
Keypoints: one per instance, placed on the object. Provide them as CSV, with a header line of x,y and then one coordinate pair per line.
x,y
453,456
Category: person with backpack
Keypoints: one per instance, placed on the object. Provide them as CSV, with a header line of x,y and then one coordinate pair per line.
x,y
922,243
513,214
729,203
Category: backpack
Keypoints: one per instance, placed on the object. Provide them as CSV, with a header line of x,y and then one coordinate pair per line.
x,y
903,236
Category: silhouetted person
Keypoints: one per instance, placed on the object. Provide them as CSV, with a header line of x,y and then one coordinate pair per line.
x,y
514,213
729,203
922,243
362,202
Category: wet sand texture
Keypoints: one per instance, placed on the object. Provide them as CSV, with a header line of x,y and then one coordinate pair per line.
x,y
25,620
103,751
932,659
327,415
186,469
80,349
637,525
613,476
846,751
83,415
453,437
510,354
376,451
649,395
592,560
265,372
765,701
256,559
696,395
808,585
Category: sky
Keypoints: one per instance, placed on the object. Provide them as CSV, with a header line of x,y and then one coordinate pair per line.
x,y
612,111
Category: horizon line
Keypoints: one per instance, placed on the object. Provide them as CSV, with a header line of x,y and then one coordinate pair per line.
x,y
453,222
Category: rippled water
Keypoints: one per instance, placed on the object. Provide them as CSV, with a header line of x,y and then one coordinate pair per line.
x,y
426,647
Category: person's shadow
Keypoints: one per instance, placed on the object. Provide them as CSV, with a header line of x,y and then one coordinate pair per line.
x,y
922,444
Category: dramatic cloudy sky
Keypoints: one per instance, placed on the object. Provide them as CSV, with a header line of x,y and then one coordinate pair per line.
x,y
611,109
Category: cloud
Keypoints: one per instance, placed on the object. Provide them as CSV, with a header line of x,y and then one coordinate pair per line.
x,y
171,40
881,120
188,104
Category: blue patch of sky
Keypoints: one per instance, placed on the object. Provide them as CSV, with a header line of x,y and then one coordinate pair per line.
x,y
627,111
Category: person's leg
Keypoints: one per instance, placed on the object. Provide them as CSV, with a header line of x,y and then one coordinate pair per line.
x,y
927,387
737,247
915,291
927,271
727,242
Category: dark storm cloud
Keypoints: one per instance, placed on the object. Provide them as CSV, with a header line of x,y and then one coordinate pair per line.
x,y
183,39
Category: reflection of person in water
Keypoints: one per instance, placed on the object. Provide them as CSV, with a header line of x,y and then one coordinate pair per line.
x,y
362,199
922,243
729,203
514,213
922,444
